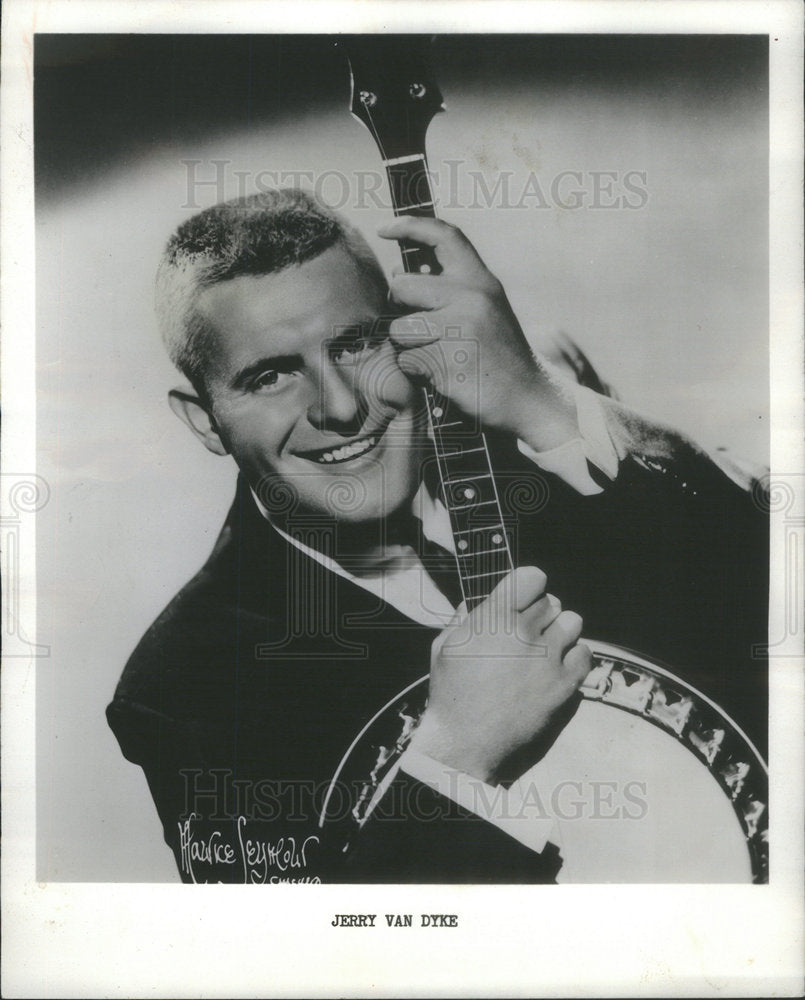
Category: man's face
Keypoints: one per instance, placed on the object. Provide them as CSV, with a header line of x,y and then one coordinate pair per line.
x,y
305,388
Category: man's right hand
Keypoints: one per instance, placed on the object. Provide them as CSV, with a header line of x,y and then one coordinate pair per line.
x,y
499,676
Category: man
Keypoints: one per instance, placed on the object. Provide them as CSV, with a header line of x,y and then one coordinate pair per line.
x,y
314,609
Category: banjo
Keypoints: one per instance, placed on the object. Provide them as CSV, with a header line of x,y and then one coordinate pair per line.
x,y
693,788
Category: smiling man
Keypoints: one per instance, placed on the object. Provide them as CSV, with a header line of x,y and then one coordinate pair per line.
x,y
327,594
281,390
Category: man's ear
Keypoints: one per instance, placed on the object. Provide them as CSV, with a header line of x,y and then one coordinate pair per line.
x,y
190,409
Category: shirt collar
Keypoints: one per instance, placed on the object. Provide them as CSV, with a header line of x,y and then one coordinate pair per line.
x,y
434,517
427,508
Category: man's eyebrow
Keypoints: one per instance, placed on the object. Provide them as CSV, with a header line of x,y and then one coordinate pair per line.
x,y
371,325
279,363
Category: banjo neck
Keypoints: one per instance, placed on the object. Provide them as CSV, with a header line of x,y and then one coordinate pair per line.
x,y
395,96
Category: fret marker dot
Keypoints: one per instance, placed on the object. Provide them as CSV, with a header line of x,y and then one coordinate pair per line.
x,y
497,539
424,268
468,493
437,411
463,544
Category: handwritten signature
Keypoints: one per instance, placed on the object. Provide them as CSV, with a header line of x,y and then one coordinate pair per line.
x,y
261,861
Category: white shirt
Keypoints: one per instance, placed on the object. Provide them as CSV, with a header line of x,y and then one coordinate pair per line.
x,y
399,578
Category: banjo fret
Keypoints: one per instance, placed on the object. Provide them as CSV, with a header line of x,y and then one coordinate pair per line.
x,y
460,451
479,527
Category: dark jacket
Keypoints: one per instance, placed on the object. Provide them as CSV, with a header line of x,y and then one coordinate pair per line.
x,y
241,699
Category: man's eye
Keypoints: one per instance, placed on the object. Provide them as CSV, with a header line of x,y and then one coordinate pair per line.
x,y
356,347
270,379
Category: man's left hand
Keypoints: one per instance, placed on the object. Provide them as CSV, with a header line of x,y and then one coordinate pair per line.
x,y
463,337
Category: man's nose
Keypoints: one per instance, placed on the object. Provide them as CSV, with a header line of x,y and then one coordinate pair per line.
x,y
337,405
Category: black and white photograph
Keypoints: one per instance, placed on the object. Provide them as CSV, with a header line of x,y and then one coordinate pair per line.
x,y
407,493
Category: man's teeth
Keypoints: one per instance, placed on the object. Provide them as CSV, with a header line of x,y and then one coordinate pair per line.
x,y
348,451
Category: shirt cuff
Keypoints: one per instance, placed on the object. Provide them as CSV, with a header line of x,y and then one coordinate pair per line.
x,y
505,809
594,445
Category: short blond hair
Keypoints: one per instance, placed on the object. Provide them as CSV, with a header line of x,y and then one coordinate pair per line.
x,y
254,235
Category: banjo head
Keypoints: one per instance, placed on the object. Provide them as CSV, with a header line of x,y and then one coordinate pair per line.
x,y
649,781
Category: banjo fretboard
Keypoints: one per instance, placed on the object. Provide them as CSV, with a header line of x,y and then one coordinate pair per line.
x,y
396,102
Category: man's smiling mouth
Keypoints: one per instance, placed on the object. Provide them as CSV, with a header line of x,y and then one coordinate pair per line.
x,y
346,452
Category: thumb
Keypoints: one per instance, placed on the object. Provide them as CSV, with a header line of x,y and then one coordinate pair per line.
x,y
459,618
424,362
519,589
578,663
410,331
413,365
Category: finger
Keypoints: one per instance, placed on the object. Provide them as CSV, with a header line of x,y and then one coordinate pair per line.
x,y
453,249
529,585
543,612
578,662
420,291
518,590
565,631
423,362
411,331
